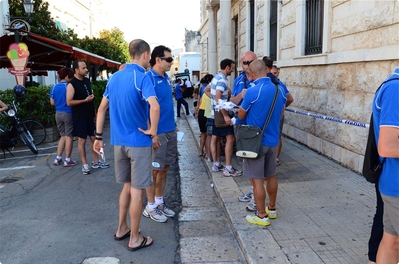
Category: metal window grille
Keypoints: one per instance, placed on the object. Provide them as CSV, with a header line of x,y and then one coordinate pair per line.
x,y
273,30
314,26
252,25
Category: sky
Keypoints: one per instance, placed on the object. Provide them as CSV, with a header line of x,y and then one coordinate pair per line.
x,y
159,22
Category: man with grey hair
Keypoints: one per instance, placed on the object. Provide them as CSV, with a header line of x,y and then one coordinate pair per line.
x,y
134,115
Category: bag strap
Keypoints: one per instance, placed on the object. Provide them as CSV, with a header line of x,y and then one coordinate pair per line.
x,y
269,115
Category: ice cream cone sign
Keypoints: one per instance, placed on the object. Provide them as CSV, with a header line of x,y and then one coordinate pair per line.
x,y
18,55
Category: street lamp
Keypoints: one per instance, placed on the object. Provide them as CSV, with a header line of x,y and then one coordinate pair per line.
x,y
18,24
198,38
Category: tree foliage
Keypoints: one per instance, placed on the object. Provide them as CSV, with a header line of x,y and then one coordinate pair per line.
x,y
110,44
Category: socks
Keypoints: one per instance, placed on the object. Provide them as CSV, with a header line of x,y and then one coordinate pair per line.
x,y
151,205
159,200
229,167
58,157
67,159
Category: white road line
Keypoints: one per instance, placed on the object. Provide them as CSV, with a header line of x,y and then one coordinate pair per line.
x,y
17,168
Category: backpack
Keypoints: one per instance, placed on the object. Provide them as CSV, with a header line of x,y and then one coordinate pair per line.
x,y
372,167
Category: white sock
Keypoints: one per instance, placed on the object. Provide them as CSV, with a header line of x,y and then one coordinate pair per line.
x,y
229,167
216,163
58,157
151,205
252,189
67,159
159,200
86,166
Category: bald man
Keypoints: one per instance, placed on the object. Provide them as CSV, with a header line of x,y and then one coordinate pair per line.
x,y
254,109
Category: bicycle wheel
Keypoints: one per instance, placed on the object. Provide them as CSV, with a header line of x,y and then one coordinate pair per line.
x,y
36,129
28,141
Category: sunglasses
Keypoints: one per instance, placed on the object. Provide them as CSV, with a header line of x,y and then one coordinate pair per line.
x,y
167,59
247,62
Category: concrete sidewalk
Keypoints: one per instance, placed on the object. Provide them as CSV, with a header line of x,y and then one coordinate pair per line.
x,y
325,211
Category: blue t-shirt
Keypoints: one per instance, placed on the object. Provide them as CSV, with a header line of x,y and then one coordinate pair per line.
x,y
386,113
238,87
202,90
257,102
178,93
128,92
163,90
58,94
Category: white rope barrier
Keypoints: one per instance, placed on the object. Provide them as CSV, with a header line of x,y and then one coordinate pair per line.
x,y
329,118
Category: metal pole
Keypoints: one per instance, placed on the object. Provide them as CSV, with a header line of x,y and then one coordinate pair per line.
x,y
16,34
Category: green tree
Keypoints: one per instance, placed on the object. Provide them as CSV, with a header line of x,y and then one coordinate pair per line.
x,y
41,21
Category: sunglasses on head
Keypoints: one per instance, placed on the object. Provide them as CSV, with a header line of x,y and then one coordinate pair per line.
x,y
167,59
247,62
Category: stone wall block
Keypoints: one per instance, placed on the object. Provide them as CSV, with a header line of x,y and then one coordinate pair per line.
x,y
352,138
326,148
335,104
326,130
314,142
373,19
354,105
319,100
349,159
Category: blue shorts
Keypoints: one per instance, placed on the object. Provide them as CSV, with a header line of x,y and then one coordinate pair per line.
x,y
83,128
221,132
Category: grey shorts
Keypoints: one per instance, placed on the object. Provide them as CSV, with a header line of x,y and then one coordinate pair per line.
x,y
209,126
264,166
166,154
391,214
133,164
64,123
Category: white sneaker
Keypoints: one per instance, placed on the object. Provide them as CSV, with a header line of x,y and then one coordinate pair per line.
x,y
251,206
155,214
165,210
246,197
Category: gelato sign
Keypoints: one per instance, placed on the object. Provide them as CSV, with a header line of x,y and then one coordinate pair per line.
x,y
18,55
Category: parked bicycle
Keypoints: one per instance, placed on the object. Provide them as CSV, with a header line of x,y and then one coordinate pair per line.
x,y
30,131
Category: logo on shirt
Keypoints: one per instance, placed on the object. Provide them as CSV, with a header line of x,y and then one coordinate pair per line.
x,y
159,81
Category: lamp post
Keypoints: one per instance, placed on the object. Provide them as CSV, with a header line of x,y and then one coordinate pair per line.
x,y
18,24
198,38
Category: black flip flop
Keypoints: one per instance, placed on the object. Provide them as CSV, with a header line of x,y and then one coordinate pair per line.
x,y
142,245
122,237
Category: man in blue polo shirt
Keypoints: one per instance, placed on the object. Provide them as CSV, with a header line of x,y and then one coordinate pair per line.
x,y
165,155
133,105
255,108
386,129
241,84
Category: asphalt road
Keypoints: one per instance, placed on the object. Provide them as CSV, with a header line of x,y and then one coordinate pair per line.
x,y
58,215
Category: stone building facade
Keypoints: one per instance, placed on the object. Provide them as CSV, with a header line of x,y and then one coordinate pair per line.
x,y
333,55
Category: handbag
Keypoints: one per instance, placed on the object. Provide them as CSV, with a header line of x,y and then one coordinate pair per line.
x,y
372,167
249,138
219,120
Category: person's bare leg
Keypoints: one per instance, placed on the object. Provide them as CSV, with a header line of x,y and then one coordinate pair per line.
x,y
214,142
388,252
150,191
94,155
161,181
208,146
272,187
124,202
82,150
228,149
260,196
135,216
61,146
202,143
279,147
68,146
